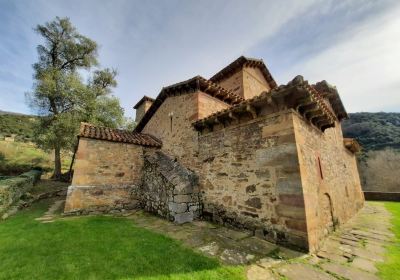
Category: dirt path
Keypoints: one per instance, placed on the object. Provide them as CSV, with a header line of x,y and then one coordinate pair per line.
x,y
50,215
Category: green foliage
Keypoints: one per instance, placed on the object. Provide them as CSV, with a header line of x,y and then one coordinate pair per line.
x,y
18,125
97,248
374,131
129,124
18,157
61,97
390,269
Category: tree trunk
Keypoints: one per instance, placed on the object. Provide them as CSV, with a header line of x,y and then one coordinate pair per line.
x,y
57,163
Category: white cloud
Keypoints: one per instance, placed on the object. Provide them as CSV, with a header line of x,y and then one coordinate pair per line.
x,y
156,43
364,64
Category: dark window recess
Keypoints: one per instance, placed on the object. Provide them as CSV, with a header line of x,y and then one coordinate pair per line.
x,y
320,168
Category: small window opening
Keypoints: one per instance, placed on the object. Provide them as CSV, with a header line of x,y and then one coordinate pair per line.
x,y
170,115
320,168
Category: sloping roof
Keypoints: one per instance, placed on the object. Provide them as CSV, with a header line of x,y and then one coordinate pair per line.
x,y
144,98
298,94
238,64
188,86
332,94
88,130
352,145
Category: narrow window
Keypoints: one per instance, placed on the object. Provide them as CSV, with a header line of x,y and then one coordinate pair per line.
x,y
320,168
171,114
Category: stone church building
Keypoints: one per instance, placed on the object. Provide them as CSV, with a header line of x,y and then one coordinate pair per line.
x,y
236,149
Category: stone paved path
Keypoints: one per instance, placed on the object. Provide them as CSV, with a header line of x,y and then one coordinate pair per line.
x,y
50,215
230,246
350,253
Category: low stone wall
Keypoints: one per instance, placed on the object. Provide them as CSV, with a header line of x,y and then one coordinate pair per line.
x,y
382,196
83,200
169,189
13,188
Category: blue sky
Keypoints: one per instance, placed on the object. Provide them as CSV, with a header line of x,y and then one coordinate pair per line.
x,y
352,44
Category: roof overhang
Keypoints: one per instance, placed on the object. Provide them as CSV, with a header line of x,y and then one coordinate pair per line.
x,y
194,84
297,95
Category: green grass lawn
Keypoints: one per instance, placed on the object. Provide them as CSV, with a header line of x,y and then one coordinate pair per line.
x,y
97,248
390,269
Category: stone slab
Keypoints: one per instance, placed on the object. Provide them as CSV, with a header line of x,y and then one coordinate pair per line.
x,y
255,272
348,272
181,218
364,264
303,271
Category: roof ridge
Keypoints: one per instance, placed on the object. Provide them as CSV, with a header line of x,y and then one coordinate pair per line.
x,y
88,130
195,83
240,62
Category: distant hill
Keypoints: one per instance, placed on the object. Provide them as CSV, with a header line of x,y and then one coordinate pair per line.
x,y
17,124
12,113
374,131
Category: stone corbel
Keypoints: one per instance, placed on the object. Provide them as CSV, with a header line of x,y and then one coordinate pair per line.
x,y
251,110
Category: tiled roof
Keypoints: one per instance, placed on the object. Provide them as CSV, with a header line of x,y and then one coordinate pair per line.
x,y
144,98
238,64
88,130
188,86
332,94
352,145
297,94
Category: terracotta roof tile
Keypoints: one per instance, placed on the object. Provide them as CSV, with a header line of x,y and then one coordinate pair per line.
x,y
330,92
238,64
298,84
188,86
88,130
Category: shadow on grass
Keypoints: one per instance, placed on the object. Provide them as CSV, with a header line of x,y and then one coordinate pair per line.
x,y
97,248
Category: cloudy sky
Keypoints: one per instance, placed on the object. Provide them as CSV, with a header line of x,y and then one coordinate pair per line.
x,y
352,44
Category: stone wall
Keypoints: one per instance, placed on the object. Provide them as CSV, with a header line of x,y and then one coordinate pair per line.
x,y
177,133
246,82
99,162
83,200
169,189
106,176
250,178
331,184
234,83
254,82
13,188
142,110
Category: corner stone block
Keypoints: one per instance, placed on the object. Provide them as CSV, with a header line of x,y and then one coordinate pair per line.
x,y
177,207
182,218
182,198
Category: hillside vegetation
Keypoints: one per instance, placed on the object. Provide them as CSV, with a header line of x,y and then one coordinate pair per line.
x,y
374,131
17,124
379,160
22,155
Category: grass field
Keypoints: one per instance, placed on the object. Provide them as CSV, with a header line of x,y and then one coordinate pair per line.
x,y
97,248
390,269
19,157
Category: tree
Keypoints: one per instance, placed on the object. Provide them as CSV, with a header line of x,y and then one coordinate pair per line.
x,y
59,94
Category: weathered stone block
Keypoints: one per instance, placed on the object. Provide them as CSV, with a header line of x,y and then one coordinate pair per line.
x,y
177,207
290,211
181,198
181,218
